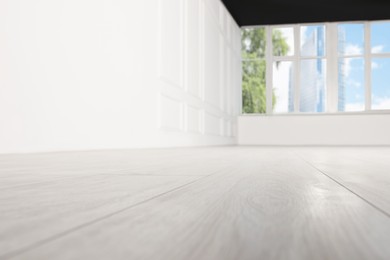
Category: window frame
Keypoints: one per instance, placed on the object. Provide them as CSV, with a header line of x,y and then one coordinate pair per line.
x,y
331,56
259,59
273,59
368,68
366,60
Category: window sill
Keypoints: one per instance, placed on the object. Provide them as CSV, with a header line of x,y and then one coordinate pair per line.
x,y
376,112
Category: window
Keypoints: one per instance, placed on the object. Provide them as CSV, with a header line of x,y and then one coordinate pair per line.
x,y
283,95
312,72
351,81
380,65
282,68
315,68
253,70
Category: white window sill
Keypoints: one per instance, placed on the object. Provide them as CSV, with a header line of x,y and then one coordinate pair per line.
x,y
373,112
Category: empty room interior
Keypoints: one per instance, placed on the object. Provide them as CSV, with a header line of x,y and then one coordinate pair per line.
x,y
194,129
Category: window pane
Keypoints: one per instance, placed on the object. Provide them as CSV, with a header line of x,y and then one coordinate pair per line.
x,y
351,84
283,95
312,87
380,37
253,86
253,43
351,39
313,40
380,83
283,41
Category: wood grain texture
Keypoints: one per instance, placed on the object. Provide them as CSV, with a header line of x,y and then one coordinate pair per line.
x,y
37,212
251,203
142,161
365,171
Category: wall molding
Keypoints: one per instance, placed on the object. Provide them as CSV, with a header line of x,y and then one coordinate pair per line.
x,y
170,109
208,125
196,126
162,61
205,108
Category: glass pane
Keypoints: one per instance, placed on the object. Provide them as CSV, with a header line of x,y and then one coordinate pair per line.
x,y
253,43
312,87
283,95
253,86
351,84
380,37
351,39
380,83
283,41
313,41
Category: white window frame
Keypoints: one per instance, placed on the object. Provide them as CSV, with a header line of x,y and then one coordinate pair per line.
x,y
272,59
331,56
368,69
366,56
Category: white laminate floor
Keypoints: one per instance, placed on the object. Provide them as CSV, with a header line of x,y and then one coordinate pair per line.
x,y
216,203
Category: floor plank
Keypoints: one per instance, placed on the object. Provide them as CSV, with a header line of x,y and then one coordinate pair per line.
x,y
365,171
269,204
142,161
36,212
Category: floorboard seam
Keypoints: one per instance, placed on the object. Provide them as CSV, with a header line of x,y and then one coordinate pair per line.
x,y
74,229
154,175
345,187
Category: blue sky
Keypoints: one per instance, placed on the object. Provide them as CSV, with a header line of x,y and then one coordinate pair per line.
x,y
354,68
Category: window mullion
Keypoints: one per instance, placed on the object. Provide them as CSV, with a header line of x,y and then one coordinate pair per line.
x,y
380,55
332,67
367,64
297,68
269,63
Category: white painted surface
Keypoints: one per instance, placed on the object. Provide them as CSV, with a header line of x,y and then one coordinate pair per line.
x,y
371,129
116,74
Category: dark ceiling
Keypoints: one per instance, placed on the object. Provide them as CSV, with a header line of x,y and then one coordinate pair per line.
x,y
264,12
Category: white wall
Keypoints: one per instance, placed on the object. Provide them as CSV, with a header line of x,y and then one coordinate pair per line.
x,y
354,129
98,74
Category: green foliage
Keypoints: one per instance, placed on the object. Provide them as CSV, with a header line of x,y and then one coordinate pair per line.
x,y
279,43
253,43
254,67
253,90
